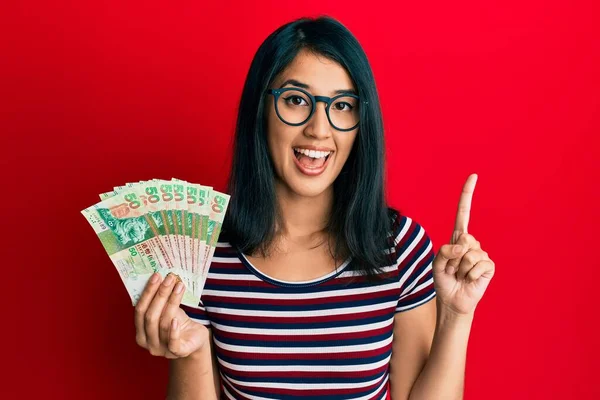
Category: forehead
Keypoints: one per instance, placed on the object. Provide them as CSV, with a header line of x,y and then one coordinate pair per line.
x,y
323,75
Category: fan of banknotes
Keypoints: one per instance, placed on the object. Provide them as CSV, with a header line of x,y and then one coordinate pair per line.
x,y
160,226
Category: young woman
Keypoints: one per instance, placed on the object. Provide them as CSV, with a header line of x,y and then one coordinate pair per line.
x,y
317,289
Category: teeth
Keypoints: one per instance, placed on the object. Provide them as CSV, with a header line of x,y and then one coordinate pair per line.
x,y
313,153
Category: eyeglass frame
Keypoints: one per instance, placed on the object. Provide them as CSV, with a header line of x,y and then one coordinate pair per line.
x,y
314,99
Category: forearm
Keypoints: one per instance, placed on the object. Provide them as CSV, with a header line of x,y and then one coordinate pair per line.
x,y
443,375
192,377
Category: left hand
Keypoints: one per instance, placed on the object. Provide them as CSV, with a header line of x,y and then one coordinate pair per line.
x,y
461,278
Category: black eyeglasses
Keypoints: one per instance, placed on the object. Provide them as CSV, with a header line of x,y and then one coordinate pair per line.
x,y
295,107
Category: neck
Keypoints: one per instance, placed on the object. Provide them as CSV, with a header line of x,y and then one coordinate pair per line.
x,y
303,219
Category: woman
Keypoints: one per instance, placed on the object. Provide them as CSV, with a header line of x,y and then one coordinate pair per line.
x,y
317,288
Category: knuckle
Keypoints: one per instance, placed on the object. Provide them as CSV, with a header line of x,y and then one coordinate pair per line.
x,y
470,257
154,351
139,311
174,299
163,291
149,318
466,240
140,340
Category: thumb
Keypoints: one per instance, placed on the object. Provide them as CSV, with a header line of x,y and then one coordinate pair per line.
x,y
174,344
446,253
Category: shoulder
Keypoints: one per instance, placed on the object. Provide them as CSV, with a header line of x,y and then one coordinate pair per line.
x,y
413,257
400,222
407,235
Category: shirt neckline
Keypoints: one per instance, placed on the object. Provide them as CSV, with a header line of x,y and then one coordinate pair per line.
x,y
279,282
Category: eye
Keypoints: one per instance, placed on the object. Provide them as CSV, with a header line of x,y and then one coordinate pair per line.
x,y
343,106
295,100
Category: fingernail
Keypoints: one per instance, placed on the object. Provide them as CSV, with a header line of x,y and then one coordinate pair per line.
x,y
458,249
168,280
175,323
178,287
154,278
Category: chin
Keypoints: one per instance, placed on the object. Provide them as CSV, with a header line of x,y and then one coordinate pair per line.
x,y
313,188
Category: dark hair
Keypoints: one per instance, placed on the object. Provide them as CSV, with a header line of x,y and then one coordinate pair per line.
x,y
360,222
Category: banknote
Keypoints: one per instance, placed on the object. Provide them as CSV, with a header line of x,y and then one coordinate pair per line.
x,y
218,205
164,226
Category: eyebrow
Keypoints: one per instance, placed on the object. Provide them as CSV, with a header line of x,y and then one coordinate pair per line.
x,y
294,82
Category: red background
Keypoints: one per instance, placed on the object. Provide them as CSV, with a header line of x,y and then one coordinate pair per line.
x,y
97,95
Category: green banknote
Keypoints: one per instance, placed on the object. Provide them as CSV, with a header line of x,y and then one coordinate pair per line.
x,y
160,226
218,205
129,239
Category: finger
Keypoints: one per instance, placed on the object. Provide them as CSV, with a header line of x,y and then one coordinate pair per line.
x,y
464,207
170,311
174,342
446,253
482,268
468,261
142,306
152,316
469,243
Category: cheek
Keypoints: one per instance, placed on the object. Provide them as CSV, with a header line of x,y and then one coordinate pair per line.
x,y
272,133
279,140
275,149
344,145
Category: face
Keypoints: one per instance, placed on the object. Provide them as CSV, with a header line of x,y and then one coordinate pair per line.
x,y
308,158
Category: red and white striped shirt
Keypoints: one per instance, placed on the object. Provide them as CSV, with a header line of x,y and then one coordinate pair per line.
x,y
328,338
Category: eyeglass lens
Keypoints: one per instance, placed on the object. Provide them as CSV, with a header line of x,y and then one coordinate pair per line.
x,y
295,107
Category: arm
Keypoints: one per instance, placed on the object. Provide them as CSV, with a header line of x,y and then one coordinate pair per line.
x,y
196,376
462,272
411,345
444,373
164,329
429,353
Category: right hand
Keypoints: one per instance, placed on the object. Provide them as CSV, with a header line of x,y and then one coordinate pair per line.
x,y
161,326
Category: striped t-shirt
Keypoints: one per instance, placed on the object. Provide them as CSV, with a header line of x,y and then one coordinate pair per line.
x,y
328,338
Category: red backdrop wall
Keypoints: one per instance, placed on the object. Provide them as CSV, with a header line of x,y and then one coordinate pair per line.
x,y
97,95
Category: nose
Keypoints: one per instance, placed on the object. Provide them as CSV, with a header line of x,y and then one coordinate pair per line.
x,y
318,126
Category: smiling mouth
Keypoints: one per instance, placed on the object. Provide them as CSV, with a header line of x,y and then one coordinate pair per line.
x,y
312,159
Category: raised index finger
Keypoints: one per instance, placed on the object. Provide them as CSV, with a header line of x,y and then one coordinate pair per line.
x,y
464,207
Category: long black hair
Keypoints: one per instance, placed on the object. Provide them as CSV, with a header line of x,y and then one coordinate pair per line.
x,y
360,220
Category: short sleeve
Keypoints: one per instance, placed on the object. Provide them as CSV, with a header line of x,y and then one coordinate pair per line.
x,y
414,257
197,314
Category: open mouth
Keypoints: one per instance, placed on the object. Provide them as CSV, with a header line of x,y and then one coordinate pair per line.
x,y
311,159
